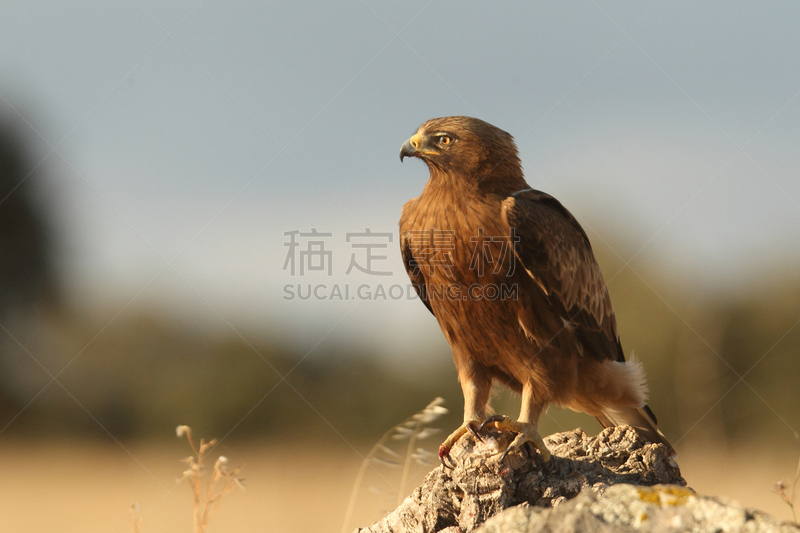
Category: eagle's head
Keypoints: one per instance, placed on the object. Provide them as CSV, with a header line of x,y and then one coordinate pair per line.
x,y
465,147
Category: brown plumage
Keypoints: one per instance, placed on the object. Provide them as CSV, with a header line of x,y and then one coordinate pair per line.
x,y
511,278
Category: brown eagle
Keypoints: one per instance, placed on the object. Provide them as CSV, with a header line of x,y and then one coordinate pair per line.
x,y
511,278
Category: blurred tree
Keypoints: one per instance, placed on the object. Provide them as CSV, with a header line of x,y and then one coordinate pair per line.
x,y
26,247
27,254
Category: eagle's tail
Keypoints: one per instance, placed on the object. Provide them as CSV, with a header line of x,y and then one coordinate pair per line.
x,y
641,419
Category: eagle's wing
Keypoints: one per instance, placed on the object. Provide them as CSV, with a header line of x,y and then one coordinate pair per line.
x,y
555,251
414,271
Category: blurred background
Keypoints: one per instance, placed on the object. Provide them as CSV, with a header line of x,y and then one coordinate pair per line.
x,y
186,191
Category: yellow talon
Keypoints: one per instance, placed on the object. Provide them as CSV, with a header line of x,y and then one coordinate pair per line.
x,y
525,433
447,445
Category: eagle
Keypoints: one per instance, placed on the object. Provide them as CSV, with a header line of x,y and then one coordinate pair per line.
x,y
511,278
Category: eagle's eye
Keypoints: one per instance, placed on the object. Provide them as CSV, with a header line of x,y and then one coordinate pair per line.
x,y
444,140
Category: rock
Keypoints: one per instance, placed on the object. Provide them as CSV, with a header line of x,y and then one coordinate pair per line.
x,y
480,486
624,508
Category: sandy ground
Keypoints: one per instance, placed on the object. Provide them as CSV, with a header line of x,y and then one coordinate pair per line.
x,y
89,487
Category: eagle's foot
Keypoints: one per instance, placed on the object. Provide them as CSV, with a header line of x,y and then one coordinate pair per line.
x,y
526,432
447,445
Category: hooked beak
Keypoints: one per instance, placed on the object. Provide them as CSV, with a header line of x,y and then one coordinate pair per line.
x,y
409,148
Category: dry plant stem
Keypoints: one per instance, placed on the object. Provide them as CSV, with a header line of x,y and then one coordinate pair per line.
x,y
430,413
213,500
136,521
361,471
794,491
780,488
201,511
404,479
198,480
206,496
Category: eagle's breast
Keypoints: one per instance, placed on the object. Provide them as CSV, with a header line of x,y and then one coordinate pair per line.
x,y
466,257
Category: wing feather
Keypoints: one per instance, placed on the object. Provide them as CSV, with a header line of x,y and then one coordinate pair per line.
x,y
414,272
555,251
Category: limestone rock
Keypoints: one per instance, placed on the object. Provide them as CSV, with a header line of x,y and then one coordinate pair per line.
x,y
628,508
480,486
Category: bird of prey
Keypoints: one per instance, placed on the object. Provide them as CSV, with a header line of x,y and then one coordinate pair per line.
x,y
512,280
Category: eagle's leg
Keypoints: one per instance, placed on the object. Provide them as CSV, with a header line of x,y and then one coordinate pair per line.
x,y
476,387
526,427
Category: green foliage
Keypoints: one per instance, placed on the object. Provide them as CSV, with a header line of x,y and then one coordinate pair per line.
x,y
144,373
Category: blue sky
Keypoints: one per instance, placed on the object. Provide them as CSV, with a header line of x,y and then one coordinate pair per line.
x,y
183,139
